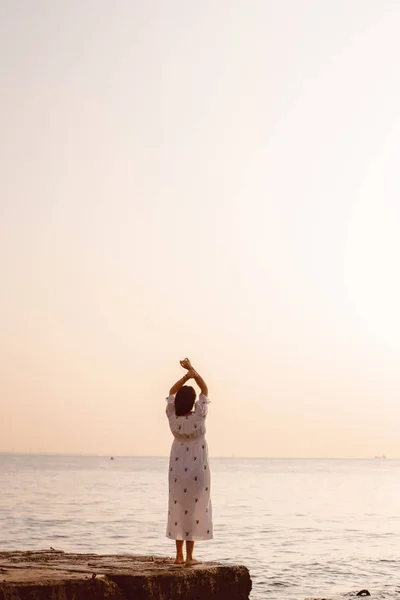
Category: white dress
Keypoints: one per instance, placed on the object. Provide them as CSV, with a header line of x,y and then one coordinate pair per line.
x,y
189,507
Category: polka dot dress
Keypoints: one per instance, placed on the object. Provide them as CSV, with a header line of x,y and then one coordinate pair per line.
x,y
189,506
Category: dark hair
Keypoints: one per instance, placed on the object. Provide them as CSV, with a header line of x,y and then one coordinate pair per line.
x,y
184,400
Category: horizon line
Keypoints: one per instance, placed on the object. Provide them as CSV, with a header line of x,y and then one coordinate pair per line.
x,y
234,457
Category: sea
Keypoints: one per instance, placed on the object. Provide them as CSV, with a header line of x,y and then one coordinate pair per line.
x,y
306,528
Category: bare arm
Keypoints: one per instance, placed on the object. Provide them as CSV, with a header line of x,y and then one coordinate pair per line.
x,y
201,383
177,386
186,364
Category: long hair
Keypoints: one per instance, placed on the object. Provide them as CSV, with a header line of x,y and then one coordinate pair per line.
x,y
184,400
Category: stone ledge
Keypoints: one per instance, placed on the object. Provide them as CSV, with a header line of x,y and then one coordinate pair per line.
x,y
57,575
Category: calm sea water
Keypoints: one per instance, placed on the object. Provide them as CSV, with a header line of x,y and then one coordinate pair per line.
x,y
305,528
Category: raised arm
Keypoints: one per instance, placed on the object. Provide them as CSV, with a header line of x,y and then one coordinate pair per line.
x,y
201,383
186,364
177,386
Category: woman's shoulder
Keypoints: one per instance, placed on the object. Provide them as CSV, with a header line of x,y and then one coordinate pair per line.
x,y
203,399
201,406
170,410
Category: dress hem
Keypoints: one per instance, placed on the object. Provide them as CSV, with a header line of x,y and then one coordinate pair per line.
x,y
190,539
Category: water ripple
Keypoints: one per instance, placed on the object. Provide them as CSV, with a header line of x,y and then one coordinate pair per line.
x,y
304,528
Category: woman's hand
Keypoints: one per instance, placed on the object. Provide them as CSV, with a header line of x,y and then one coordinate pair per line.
x,y
186,364
192,374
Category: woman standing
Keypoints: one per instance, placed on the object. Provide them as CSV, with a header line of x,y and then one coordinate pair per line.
x,y
189,510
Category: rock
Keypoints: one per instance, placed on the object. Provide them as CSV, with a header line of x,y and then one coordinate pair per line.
x,y
363,593
43,575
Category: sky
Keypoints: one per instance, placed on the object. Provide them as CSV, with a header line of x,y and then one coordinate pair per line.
x,y
217,180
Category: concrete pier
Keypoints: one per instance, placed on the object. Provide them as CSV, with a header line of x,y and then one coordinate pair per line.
x,y
57,575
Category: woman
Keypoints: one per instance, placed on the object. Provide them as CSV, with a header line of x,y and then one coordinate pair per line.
x,y
189,510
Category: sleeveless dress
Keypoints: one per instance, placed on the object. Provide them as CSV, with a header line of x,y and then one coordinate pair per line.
x,y
189,506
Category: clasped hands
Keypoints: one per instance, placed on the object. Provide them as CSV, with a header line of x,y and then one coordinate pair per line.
x,y
186,364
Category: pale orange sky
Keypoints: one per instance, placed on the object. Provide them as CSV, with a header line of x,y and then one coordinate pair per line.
x,y
216,180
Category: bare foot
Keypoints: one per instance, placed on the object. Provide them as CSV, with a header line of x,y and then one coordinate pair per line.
x,y
179,560
191,561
